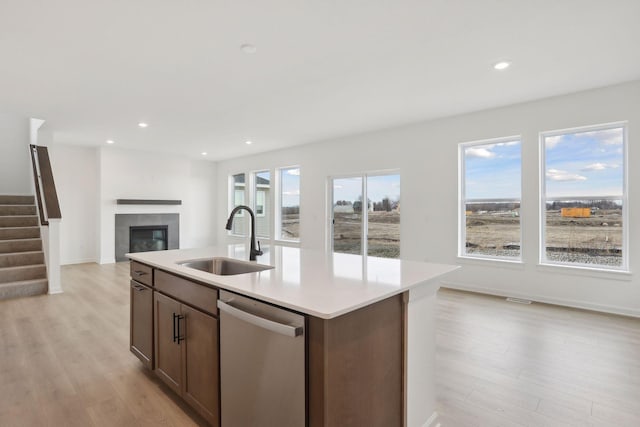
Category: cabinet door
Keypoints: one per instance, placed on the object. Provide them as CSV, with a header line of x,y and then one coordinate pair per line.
x,y
200,363
141,333
168,353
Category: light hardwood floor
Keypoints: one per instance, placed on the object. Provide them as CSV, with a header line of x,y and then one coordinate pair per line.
x,y
65,361
506,364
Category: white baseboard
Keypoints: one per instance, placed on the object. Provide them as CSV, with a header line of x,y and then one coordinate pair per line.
x,y
79,261
107,261
544,299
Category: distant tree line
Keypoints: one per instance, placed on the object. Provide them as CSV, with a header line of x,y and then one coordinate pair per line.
x,y
492,206
290,210
600,204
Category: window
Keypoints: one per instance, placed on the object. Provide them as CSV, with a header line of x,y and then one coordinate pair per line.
x,y
490,191
261,197
584,199
289,200
238,198
366,215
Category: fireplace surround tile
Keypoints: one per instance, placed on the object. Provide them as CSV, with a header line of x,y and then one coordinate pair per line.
x,y
124,221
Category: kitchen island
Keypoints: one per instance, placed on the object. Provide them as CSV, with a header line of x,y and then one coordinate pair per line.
x,y
369,340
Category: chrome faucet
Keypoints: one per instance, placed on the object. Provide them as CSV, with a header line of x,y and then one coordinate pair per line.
x,y
253,252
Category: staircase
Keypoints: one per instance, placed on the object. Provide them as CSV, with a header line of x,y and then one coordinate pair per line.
x,y
22,268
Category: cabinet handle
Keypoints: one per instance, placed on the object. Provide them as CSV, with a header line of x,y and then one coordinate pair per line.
x,y
176,328
179,337
139,288
175,317
140,273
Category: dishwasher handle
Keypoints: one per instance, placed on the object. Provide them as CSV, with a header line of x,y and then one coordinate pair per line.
x,y
261,322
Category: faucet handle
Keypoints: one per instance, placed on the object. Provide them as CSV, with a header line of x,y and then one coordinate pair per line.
x,y
259,251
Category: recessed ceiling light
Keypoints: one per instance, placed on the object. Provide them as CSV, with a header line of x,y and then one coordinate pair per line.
x,y
143,124
110,141
248,48
502,65
204,153
248,142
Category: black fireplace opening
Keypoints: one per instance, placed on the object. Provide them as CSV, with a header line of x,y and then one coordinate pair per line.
x,y
148,238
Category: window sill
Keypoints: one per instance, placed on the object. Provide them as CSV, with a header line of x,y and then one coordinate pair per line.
x,y
293,243
623,275
492,262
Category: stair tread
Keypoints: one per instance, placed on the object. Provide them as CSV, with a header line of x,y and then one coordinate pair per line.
x,y
24,282
21,267
20,253
22,240
13,227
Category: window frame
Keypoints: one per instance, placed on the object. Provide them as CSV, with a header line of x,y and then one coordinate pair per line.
x,y
364,245
277,206
542,169
272,200
462,202
231,199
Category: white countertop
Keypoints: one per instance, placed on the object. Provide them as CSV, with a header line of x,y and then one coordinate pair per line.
x,y
312,282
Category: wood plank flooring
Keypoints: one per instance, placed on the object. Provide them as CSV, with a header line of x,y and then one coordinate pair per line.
x,y
65,361
507,364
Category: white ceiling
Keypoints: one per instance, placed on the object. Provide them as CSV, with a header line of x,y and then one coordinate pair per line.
x,y
323,68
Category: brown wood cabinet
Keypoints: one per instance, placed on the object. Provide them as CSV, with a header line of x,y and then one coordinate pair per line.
x,y
141,333
186,354
355,362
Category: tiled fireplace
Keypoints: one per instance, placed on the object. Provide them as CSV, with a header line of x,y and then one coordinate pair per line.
x,y
146,232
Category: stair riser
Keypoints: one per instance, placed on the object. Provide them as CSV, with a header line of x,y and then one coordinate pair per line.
x,y
17,200
19,221
11,246
19,233
19,290
12,210
25,273
17,259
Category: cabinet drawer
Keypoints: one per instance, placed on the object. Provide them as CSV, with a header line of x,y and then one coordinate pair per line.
x,y
142,273
191,293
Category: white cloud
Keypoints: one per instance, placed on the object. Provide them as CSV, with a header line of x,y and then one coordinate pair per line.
x,y
507,144
291,193
480,152
558,175
599,167
551,141
295,172
607,136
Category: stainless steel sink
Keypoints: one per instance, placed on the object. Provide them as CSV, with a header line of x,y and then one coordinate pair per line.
x,y
225,266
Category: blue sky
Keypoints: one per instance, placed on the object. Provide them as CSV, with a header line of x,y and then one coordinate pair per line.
x,y
585,163
492,171
378,187
291,187
576,165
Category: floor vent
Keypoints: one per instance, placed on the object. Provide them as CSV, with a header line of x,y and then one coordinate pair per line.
x,y
519,300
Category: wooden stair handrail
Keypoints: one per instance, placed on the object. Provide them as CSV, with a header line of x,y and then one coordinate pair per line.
x,y
47,195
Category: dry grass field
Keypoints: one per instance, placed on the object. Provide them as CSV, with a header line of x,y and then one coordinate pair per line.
x,y
593,240
383,233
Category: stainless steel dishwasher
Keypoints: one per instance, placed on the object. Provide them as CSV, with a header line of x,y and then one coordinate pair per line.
x,y
262,364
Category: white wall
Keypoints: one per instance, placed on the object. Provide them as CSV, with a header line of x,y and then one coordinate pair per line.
x,y
128,174
77,182
426,155
89,180
15,165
